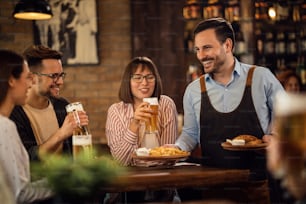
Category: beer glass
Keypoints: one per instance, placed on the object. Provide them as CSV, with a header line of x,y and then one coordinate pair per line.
x,y
81,138
290,124
151,126
290,119
150,138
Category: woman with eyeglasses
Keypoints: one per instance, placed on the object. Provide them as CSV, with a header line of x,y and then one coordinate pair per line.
x,y
15,82
125,119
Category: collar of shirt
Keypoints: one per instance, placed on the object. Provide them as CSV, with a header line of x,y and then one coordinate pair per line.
x,y
236,73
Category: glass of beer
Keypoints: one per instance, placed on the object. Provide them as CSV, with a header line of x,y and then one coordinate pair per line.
x,y
290,125
82,145
290,119
151,126
81,138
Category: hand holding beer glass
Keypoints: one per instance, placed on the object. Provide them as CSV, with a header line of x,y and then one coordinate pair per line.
x,y
81,138
150,139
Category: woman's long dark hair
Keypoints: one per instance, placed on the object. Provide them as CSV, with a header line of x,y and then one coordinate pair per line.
x,y
11,64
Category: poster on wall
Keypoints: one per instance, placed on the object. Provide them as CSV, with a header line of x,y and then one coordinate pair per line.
x,y
72,30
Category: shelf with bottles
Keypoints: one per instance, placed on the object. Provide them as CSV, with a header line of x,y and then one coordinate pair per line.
x,y
301,69
196,10
203,9
276,41
280,11
277,62
280,33
240,46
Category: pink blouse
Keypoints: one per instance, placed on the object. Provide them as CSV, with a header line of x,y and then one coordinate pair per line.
x,y
123,142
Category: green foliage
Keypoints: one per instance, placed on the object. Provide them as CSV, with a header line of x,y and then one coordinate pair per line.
x,y
77,179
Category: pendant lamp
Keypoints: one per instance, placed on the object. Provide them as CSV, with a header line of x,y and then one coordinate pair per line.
x,y
32,10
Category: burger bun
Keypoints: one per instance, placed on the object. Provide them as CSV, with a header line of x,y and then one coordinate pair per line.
x,y
249,139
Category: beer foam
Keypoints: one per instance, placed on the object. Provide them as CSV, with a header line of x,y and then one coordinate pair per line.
x,y
76,106
289,103
152,100
81,140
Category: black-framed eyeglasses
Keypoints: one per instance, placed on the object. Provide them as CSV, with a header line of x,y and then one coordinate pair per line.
x,y
138,78
54,76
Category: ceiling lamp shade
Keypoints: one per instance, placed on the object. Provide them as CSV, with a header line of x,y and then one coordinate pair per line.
x,y
32,10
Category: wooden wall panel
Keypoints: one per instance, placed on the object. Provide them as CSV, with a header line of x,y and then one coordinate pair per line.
x,y
157,32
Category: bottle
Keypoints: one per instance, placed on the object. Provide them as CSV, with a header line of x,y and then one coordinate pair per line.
x,y
303,11
240,47
257,11
280,46
232,10
282,11
301,69
81,138
269,44
259,42
296,17
302,44
189,47
261,10
291,45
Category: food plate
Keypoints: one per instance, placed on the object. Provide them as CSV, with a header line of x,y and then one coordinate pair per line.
x,y
246,147
150,161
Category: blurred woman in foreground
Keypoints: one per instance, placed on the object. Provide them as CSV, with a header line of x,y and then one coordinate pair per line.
x,y
15,81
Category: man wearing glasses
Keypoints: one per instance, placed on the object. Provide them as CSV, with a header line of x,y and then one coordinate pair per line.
x,y
43,124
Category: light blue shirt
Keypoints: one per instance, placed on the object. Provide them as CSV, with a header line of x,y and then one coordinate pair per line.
x,y
226,98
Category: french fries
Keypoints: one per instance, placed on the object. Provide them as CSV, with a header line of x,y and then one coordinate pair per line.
x,y
166,151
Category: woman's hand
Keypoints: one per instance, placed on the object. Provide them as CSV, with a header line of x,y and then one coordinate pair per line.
x,y
143,112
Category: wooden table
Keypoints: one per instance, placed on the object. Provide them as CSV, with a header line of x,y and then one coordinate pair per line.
x,y
142,178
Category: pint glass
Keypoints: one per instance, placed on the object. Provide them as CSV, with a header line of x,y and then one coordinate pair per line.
x,y
290,119
290,123
151,126
150,138
81,138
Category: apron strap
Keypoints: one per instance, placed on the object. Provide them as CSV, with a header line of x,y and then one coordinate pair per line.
x,y
250,76
248,82
202,83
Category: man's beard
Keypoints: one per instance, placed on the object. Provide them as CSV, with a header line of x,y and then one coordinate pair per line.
x,y
218,63
54,92
51,92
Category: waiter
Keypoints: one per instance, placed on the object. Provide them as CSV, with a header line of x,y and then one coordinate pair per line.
x,y
230,99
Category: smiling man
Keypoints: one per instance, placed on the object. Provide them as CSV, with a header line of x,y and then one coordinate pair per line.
x,y
231,99
43,123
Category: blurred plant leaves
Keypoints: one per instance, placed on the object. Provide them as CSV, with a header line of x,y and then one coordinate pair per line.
x,y
77,179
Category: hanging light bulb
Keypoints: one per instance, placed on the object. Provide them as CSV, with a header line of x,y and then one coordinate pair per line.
x,y
272,13
32,10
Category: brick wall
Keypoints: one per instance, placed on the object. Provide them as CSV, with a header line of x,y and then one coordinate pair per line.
x,y
95,86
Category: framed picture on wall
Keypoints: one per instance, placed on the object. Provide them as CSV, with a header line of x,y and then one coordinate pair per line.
x,y
73,30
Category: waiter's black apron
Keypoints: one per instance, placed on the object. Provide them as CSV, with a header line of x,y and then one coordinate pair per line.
x,y
216,127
